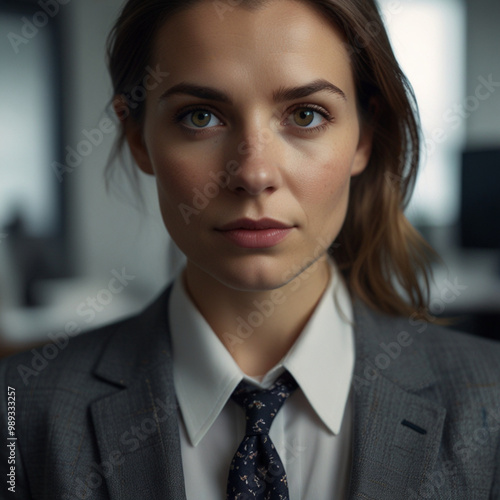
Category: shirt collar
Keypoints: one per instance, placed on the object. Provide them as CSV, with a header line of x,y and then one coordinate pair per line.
x,y
322,358
205,374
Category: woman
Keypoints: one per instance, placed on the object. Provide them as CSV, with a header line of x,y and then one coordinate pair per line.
x,y
284,142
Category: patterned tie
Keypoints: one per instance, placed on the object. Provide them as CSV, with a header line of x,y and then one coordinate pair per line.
x,y
257,471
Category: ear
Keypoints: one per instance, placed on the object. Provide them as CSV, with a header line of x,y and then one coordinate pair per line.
x,y
135,140
365,144
363,151
133,135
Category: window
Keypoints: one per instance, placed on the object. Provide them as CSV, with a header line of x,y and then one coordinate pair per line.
x,y
429,39
28,188
32,212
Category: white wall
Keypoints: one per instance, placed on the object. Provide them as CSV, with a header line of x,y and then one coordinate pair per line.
x,y
109,237
483,59
108,233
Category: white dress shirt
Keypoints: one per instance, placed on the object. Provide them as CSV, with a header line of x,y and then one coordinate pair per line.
x,y
311,432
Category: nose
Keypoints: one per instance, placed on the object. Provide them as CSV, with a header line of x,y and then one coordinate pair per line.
x,y
260,157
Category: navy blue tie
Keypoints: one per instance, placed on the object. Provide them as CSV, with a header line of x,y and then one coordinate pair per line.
x,y
257,471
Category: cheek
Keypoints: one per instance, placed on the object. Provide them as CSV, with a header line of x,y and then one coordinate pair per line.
x,y
177,184
177,175
334,203
328,195
328,184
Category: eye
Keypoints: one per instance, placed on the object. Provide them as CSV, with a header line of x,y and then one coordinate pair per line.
x,y
304,117
308,117
200,118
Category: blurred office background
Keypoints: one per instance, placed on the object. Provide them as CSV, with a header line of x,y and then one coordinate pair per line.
x,y
64,237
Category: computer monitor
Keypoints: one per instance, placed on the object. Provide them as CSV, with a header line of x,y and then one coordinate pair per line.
x,y
480,199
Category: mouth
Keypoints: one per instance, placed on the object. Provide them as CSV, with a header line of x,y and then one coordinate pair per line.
x,y
255,225
262,233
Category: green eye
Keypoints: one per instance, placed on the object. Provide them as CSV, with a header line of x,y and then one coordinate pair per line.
x,y
303,117
200,118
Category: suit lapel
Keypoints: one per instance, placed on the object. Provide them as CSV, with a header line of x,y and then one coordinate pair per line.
x,y
137,431
390,458
397,433
136,426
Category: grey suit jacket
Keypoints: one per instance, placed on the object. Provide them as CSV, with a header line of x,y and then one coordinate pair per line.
x,y
98,420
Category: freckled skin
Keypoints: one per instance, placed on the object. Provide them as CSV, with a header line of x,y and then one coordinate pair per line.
x,y
286,172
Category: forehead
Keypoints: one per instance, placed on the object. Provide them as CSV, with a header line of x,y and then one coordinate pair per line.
x,y
280,40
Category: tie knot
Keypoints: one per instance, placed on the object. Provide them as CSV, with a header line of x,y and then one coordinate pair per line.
x,y
261,406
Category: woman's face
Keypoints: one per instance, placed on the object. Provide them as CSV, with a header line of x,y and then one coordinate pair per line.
x,y
253,138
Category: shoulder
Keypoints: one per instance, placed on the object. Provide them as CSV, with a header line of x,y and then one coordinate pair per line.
x,y
418,356
450,351
72,360
445,381
63,358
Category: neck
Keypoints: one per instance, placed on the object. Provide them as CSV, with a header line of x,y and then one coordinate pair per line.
x,y
258,327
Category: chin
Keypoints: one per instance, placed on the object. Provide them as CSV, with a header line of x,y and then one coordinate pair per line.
x,y
252,282
250,276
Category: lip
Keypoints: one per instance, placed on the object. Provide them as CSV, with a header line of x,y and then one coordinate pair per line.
x,y
262,233
260,224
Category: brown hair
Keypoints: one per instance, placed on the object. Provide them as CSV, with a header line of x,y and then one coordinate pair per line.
x,y
379,252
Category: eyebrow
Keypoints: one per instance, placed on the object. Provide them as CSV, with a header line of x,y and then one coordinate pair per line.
x,y
281,95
